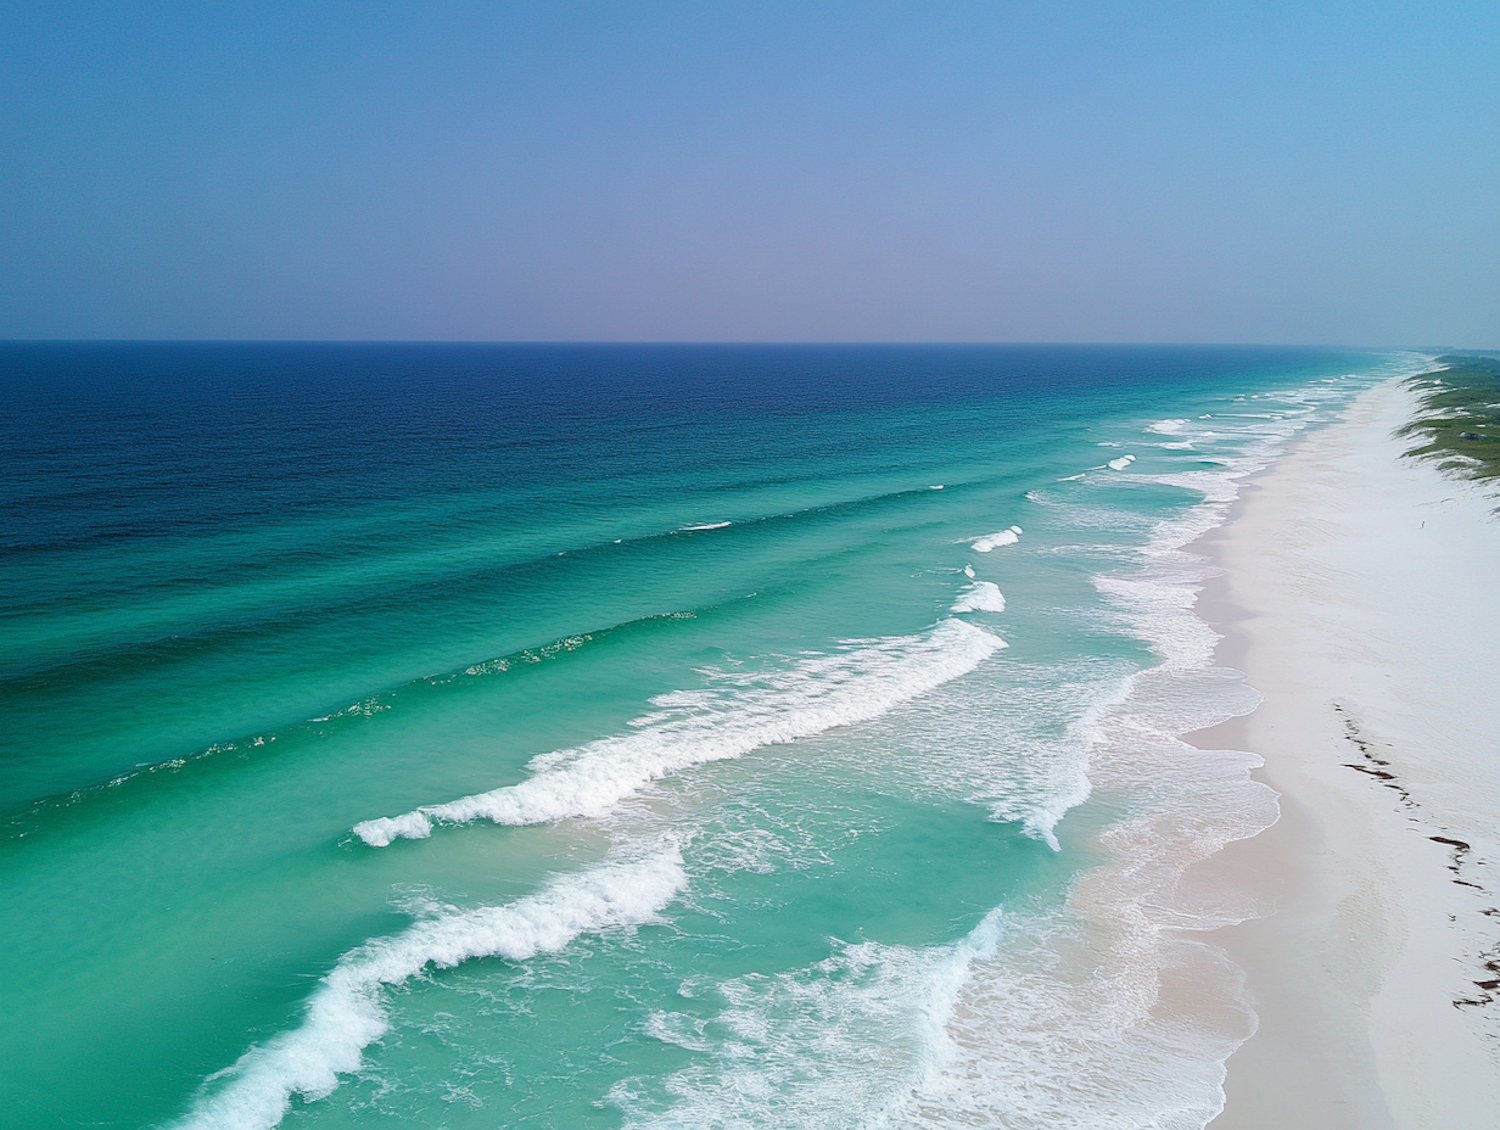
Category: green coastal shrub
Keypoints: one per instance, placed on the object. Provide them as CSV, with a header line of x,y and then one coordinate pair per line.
x,y
1460,421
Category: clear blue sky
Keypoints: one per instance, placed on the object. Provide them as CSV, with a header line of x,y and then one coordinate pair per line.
x,y
1247,172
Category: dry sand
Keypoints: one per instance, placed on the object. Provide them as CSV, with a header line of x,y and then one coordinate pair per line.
x,y
1361,596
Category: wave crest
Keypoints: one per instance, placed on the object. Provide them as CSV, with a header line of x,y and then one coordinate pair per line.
x,y
739,712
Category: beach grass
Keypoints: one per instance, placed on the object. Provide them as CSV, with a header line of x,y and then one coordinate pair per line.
x,y
1460,420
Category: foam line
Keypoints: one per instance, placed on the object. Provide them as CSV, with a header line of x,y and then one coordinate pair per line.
x,y
346,1013
840,1043
739,712
995,541
981,596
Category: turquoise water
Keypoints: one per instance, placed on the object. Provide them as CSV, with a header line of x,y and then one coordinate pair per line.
x,y
599,736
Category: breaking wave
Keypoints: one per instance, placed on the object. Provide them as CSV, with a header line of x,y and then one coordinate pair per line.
x,y
346,1013
736,713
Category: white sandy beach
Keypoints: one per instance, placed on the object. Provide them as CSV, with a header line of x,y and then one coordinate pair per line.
x,y
1361,596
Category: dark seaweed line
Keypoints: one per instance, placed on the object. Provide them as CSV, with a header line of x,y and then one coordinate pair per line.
x,y
1379,769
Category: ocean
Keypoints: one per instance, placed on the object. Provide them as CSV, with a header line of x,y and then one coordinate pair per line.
x,y
621,736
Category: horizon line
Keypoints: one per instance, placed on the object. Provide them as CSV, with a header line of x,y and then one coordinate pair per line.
x,y
708,342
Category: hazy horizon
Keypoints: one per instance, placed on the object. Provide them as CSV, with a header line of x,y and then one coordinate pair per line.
x,y
768,343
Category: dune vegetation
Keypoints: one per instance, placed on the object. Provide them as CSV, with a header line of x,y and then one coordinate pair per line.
x,y
1460,421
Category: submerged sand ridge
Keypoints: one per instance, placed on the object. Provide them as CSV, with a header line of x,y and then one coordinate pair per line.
x,y
1361,596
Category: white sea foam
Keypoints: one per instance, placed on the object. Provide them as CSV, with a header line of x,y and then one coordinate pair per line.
x,y
1167,427
843,1042
981,596
739,711
346,1012
994,541
1122,462
1019,750
704,526
1046,1041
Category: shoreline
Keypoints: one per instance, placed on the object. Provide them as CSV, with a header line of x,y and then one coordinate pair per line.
x,y
1356,591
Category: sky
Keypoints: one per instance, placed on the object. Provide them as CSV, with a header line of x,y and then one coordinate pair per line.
x,y
722,171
